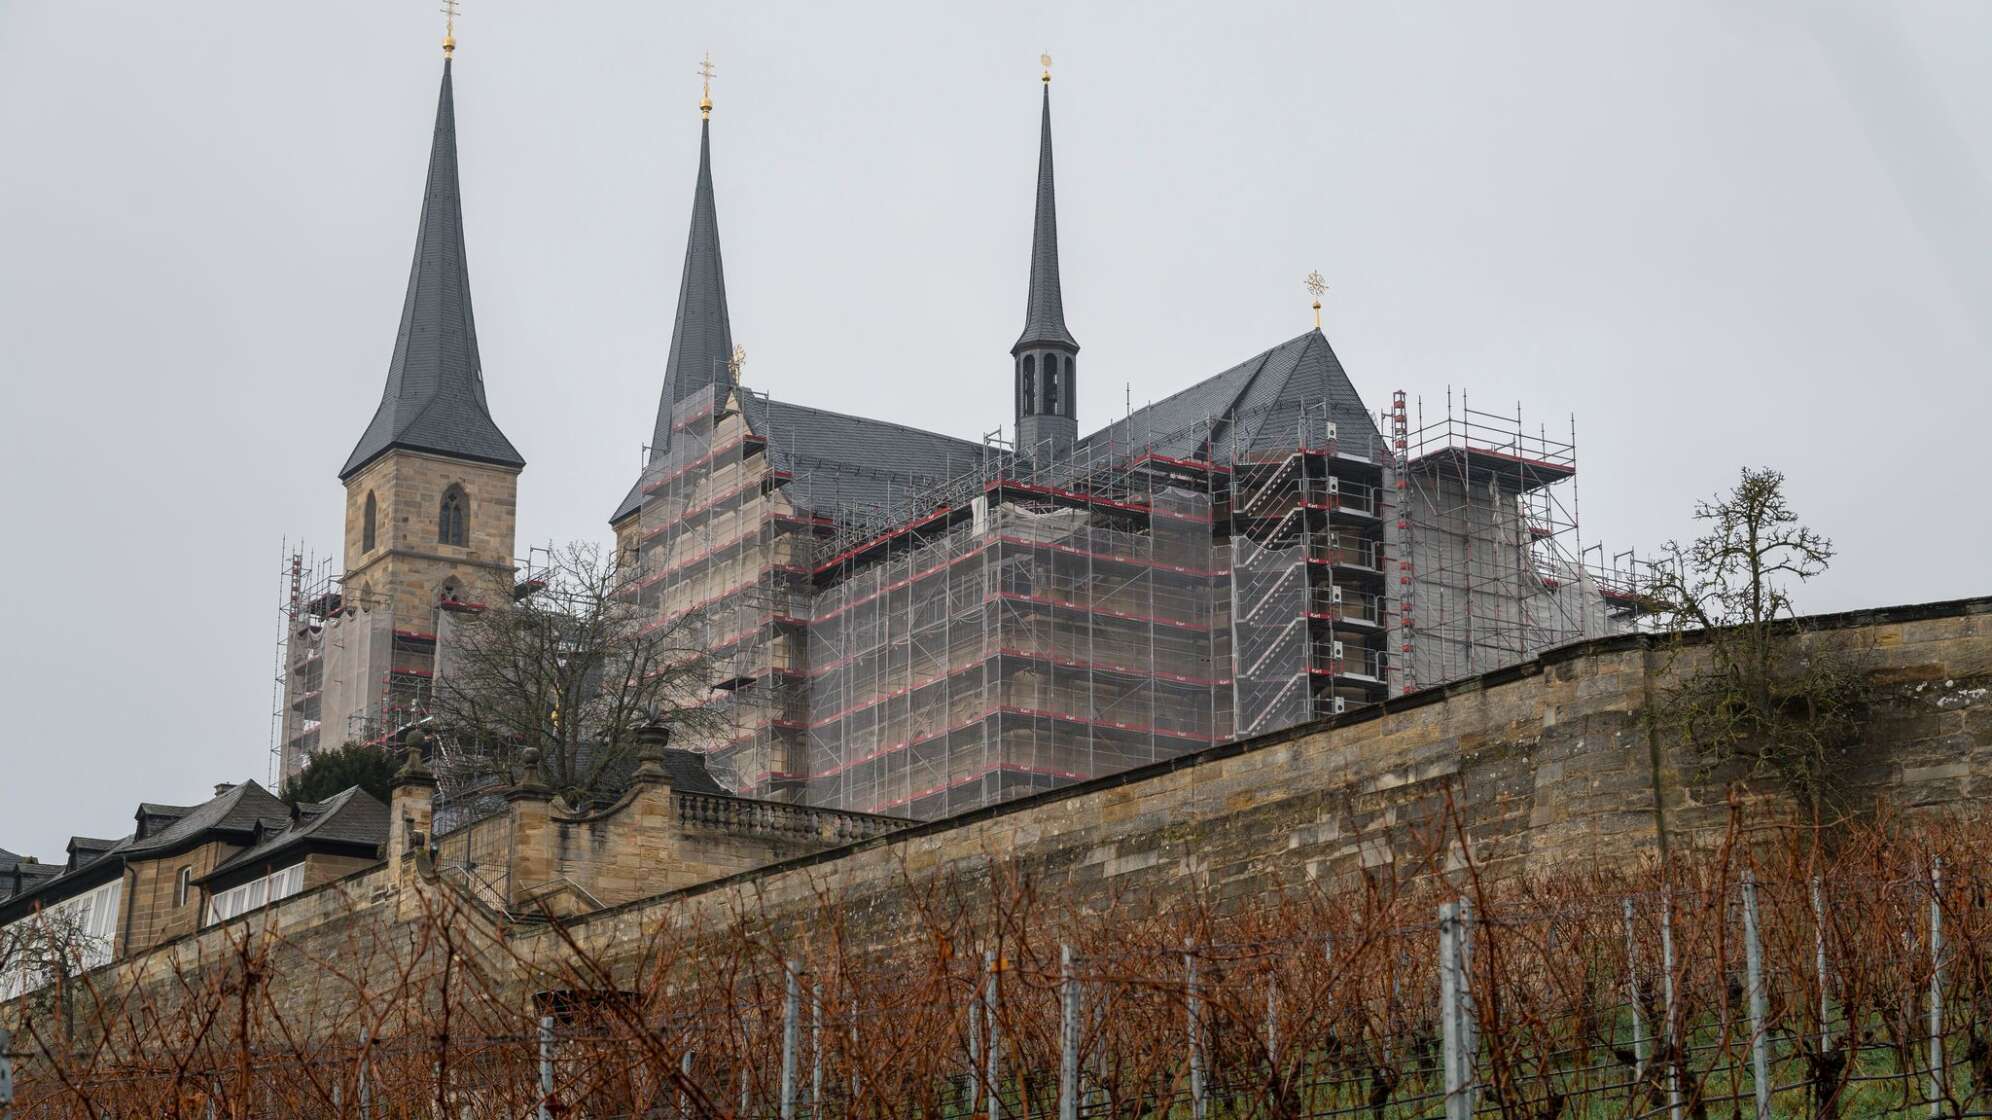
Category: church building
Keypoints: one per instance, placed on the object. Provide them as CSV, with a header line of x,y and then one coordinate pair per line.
x,y
917,624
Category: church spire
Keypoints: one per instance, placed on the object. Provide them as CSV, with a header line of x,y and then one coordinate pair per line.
x,y
701,335
1046,354
434,398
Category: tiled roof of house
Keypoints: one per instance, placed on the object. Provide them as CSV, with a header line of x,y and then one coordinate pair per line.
x,y
350,819
234,811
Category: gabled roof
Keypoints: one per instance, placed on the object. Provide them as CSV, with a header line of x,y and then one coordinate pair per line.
x,y
843,462
1044,304
86,850
351,819
434,399
19,875
235,811
1256,401
230,815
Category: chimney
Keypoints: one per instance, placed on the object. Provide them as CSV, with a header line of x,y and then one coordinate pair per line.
x,y
223,787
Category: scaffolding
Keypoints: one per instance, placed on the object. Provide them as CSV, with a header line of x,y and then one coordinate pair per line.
x,y
925,646
1061,623
723,561
1490,560
352,667
297,701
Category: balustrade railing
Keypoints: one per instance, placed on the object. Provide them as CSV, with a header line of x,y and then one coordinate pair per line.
x,y
723,813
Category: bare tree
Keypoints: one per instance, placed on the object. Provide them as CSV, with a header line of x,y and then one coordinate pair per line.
x,y
41,954
1764,698
571,671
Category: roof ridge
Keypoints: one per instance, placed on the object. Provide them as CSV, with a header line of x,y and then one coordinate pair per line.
x,y
1194,386
874,420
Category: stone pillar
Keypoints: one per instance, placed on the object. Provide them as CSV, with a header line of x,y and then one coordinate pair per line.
x,y
651,739
410,808
530,865
654,810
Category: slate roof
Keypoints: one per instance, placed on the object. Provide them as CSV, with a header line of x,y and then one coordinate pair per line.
x,y
19,874
86,850
350,819
434,398
236,811
847,464
1044,304
702,333
1253,402
842,461
688,772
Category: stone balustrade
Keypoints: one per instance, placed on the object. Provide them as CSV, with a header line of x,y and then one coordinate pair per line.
x,y
748,817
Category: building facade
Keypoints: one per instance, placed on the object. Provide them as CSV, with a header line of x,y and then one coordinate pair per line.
x,y
181,869
431,507
913,623
918,624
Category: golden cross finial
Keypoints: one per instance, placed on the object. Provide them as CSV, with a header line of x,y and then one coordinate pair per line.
x,y
1315,284
1044,60
449,10
736,363
705,77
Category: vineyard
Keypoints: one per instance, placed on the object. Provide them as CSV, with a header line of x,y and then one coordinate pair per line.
x,y
1775,974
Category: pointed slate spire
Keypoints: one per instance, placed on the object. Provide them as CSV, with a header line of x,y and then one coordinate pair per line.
x,y
434,399
701,335
1045,360
1044,307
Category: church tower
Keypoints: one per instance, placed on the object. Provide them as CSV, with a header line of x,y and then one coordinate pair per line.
x,y
432,485
701,333
1046,355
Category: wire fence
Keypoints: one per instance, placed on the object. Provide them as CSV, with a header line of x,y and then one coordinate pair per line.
x,y
1792,974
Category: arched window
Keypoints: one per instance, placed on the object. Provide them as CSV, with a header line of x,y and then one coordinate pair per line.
x,y
1071,385
1051,384
450,593
367,521
1030,385
453,524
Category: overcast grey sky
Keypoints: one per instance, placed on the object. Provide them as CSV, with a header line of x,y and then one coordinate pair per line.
x,y
1717,233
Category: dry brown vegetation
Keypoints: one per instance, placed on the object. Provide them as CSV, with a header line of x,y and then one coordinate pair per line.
x,y
1304,1003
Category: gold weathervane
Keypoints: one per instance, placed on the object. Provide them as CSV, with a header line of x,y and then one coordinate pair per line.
x,y
705,96
736,363
1316,285
1044,60
449,10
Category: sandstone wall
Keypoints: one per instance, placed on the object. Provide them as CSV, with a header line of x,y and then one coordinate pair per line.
x,y
408,565
1545,764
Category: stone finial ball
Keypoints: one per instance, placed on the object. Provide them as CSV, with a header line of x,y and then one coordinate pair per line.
x,y
530,756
